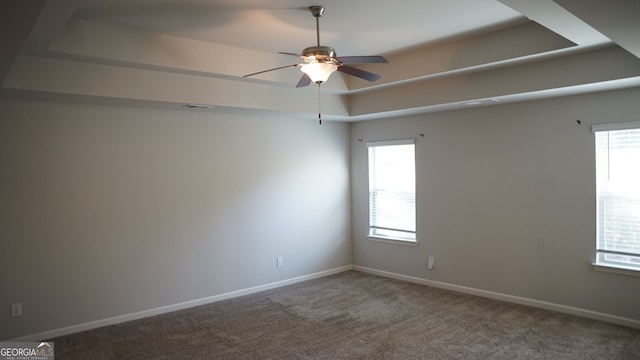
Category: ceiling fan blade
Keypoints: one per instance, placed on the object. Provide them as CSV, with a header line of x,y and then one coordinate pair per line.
x,y
362,74
362,59
264,71
304,81
288,53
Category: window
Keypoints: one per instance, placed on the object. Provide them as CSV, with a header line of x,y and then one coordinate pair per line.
x,y
618,195
392,190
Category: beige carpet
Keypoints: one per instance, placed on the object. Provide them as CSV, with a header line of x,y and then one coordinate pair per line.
x,y
356,316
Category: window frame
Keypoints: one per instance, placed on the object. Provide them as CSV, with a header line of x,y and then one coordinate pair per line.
x,y
371,235
597,263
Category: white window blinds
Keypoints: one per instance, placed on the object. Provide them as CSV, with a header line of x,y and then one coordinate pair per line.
x,y
392,190
618,195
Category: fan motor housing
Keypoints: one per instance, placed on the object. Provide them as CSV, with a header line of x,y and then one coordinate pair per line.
x,y
321,53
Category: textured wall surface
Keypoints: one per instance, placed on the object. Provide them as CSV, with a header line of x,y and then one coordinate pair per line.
x,y
505,200
106,211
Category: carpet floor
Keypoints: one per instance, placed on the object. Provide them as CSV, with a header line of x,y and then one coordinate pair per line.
x,y
353,315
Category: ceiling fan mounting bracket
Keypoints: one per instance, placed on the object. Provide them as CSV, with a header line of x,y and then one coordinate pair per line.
x,y
316,10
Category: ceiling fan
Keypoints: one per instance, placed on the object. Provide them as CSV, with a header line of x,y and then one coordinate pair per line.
x,y
319,62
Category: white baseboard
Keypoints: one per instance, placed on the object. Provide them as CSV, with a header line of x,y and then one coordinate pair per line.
x,y
166,309
463,289
614,319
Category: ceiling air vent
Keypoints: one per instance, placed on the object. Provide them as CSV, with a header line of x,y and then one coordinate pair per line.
x,y
481,102
197,106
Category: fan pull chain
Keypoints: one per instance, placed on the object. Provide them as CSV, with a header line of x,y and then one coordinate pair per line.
x,y
319,106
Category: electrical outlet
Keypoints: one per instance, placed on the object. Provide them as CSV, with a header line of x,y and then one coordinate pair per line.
x,y
16,309
430,262
279,262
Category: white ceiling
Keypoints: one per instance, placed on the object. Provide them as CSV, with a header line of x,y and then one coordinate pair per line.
x,y
354,27
444,54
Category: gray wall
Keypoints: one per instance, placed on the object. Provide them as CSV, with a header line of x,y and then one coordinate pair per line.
x,y
506,200
106,211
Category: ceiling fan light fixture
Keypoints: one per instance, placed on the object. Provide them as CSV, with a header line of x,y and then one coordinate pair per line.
x,y
319,72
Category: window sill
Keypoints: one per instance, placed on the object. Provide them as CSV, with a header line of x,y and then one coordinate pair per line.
x,y
616,269
392,240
